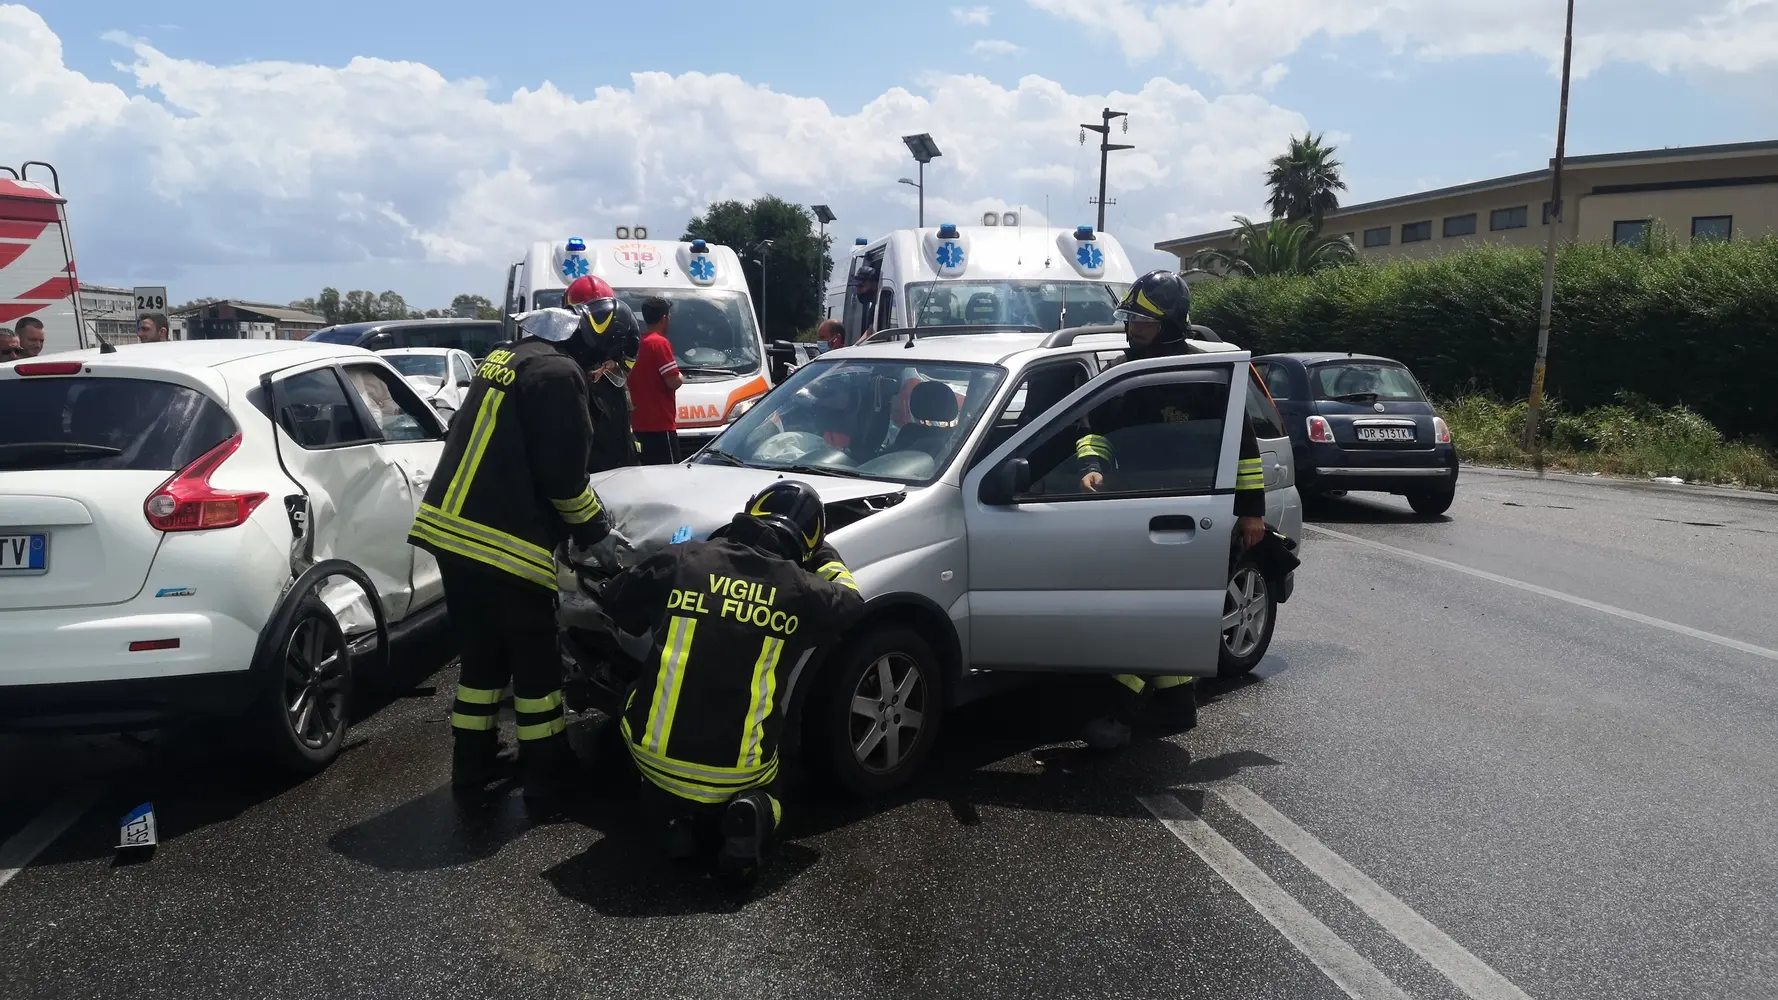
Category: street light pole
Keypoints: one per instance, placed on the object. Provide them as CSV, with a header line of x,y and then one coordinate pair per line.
x,y
823,215
923,149
761,248
1533,440
1106,148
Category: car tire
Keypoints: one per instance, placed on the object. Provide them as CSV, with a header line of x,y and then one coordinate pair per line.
x,y
1251,604
1432,504
302,707
856,746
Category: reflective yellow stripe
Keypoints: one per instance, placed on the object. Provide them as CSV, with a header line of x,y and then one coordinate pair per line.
x,y
476,531
476,552
478,696
836,572
759,705
476,723
708,774
688,790
543,730
777,811
1163,683
1130,681
666,689
479,434
1251,463
535,705
581,509
1093,446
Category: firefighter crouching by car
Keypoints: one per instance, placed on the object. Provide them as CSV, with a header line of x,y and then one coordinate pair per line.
x,y
731,617
510,487
1157,317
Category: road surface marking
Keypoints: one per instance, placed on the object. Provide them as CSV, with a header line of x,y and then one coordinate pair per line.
x,y
1348,969
16,854
1467,972
1532,588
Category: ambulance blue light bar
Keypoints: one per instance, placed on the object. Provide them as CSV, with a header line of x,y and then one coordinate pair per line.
x,y
699,246
948,231
1083,232
577,245
860,241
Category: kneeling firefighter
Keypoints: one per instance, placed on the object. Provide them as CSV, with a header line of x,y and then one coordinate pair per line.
x,y
1157,318
731,617
511,487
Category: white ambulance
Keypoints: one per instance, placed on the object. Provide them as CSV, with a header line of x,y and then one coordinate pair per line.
x,y
37,277
714,331
1041,277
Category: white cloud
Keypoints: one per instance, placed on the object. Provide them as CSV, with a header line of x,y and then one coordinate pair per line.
x,y
270,178
1238,39
988,48
973,15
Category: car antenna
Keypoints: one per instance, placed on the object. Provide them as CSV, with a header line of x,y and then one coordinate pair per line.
x,y
911,339
105,346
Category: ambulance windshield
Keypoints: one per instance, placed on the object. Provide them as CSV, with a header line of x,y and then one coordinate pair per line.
x,y
712,332
1049,305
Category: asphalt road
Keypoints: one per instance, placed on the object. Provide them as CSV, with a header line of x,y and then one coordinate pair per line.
x,y
1530,749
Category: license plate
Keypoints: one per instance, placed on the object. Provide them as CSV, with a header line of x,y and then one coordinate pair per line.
x,y
24,555
1385,434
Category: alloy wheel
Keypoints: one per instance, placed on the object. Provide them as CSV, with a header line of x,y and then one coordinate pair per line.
x,y
1245,612
888,711
315,679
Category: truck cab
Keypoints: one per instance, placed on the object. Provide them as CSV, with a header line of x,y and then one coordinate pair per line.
x,y
37,276
714,328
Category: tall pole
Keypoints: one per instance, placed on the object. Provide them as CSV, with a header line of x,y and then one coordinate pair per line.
x,y
1533,440
1106,147
921,187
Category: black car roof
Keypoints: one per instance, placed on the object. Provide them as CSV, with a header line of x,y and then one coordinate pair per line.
x,y
1323,357
371,326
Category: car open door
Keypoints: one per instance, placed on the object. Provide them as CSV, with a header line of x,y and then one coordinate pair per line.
x,y
361,503
1127,578
413,436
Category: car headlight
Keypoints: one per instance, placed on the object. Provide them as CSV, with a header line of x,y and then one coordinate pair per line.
x,y
740,409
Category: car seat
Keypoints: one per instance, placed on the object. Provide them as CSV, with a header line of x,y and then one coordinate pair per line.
x,y
933,407
983,309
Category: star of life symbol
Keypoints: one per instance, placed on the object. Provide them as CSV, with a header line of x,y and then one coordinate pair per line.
x,y
575,266
702,268
1090,257
949,255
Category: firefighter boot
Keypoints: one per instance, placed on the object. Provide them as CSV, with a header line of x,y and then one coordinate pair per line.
x,y
477,760
1125,703
747,825
1175,704
551,774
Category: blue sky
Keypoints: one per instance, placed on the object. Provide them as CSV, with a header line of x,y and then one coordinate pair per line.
x,y
244,142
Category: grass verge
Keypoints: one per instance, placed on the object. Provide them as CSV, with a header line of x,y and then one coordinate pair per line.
x,y
1630,438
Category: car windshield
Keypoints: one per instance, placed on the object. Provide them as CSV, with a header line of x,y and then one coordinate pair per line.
x,y
892,420
337,335
106,423
425,365
712,332
1049,305
1346,379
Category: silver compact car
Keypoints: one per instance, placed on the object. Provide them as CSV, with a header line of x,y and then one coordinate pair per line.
x,y
953,490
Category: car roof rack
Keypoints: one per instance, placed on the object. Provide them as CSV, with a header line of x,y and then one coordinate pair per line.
x,y
1066,338
954,330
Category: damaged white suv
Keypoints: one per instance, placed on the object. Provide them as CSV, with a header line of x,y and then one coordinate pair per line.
x,y
949,471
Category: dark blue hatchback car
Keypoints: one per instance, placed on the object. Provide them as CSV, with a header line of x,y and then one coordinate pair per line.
x,y
1362,423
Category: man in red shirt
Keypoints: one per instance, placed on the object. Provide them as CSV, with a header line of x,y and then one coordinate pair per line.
x,y
653,383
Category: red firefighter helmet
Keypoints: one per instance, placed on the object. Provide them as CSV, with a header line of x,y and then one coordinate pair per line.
x,y
587,288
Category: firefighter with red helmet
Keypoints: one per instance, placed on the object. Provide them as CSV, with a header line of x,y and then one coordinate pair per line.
x,y
608,398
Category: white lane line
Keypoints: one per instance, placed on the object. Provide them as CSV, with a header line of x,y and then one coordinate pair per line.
x,y
17,853
1348,969
1532,588
1467,972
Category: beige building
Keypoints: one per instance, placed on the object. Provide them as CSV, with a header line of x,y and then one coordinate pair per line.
x,y
1698,192
110,312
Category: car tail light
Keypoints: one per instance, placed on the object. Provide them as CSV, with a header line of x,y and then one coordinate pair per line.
x,y
148,645
1440,432
49,368
187,502
1320,431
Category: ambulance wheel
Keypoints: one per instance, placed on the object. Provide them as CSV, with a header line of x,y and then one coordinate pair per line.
x,y
881,703
305,701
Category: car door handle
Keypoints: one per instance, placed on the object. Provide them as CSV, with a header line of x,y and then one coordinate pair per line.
x,y
1172,522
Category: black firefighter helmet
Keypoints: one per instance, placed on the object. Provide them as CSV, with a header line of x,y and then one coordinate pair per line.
x,y
608,331
791,516
1159,297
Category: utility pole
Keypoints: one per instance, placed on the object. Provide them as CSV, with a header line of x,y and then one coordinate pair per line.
x,y
1106,147
1533,441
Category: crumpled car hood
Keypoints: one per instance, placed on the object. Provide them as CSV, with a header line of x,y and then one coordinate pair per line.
x,y
651,504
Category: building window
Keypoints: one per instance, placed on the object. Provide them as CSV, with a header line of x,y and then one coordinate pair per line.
x,y
1628,232
1416,232
1717,228
1509,218
1460,225
1377,237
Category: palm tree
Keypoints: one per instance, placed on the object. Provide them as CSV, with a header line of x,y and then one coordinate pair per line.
x,y
1305,181
1274,248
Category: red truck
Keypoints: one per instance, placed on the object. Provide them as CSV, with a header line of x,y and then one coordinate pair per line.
x,y
37,277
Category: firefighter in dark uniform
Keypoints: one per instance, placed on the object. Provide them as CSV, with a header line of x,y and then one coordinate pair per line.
x,y
1156,314
608,401
511,487
731,617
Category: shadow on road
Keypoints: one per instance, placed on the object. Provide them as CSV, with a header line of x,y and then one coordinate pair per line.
x,y
1364,508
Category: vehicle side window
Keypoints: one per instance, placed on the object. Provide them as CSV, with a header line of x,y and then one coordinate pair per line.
x,y
1155,434
1041,388
1277,380
1267,422
400,414
430,336
379,342
479,341
459,369
886,310
315,412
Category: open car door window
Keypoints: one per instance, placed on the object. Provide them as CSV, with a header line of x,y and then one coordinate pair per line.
x,y
1125,574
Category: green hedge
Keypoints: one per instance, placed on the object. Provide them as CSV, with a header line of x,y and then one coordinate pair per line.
x,y
1696,327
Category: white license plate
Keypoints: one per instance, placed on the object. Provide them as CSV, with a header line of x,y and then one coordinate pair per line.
x,y
1385,434
24,555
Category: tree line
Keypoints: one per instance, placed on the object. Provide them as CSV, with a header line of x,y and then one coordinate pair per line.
x,y
360,306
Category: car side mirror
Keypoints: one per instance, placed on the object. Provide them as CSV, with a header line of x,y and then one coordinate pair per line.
x,y
463,383
781,356
1008,480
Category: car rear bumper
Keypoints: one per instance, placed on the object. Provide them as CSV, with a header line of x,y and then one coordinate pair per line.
x,y
1331,467
92,645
